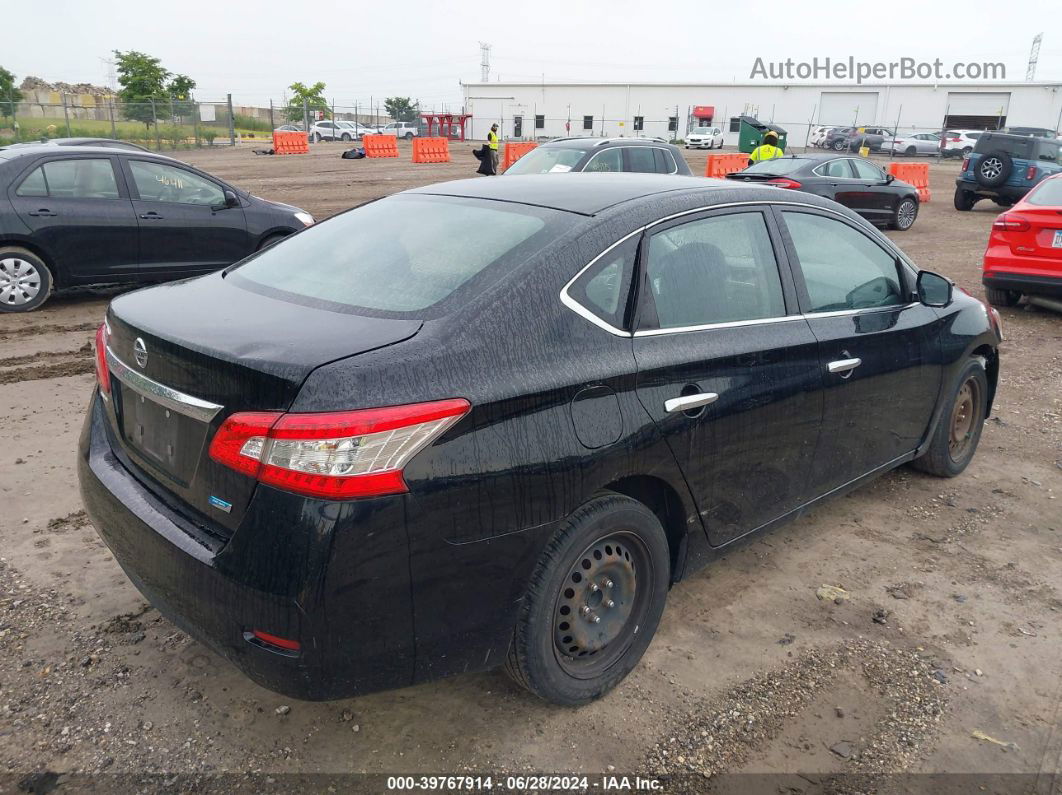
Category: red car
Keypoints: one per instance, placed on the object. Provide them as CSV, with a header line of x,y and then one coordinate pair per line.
x,y
1024,254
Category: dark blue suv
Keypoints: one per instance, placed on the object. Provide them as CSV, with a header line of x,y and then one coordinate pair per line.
x,y
1004,168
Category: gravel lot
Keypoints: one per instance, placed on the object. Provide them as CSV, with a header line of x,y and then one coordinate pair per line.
x,y
945,659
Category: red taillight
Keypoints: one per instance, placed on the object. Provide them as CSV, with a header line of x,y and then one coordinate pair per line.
x,y
965,163
955,140
783,182
1011,223
1030,172
103,373
334,455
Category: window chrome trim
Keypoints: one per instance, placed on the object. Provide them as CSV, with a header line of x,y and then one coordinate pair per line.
x,y
189,406
587,314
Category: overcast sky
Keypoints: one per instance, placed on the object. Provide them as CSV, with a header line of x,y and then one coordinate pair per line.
x,y
422,49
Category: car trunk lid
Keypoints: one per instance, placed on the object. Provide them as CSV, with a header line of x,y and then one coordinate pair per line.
x,y
185,356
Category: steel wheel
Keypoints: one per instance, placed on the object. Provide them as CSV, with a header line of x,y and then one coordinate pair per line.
x,y
906,214
968,406
20,282
601,604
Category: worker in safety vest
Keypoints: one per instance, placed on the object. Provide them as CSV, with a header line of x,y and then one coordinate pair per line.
x,y
492,142
768,150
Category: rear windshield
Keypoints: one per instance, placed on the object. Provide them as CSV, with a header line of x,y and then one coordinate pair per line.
x,y
1015,147
1047,194
776,167
403,255
546,160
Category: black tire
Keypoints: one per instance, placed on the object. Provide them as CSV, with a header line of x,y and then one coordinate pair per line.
x,y
904,214
345,137
408,136
561,649
1003,298
966,151
269,241
26,281
993,168
959,429
317,138
964,199
911,151
838,146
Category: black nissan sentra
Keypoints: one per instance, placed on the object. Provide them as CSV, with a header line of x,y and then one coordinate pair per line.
x,y
490,422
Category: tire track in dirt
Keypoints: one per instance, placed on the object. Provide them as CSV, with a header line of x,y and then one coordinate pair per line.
x,y
44,328
37,372
50,356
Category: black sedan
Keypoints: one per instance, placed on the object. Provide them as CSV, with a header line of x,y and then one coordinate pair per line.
x,y
490,422
77,215
852,181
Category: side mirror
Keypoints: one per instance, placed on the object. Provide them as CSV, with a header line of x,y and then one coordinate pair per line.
x,y
933,289
231,200
890,178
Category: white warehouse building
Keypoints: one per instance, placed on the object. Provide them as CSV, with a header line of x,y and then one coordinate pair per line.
x,y
548,110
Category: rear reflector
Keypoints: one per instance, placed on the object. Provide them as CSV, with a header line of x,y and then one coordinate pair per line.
x,y
103,373
1011,223
965,163
1030,172
274,640
334,455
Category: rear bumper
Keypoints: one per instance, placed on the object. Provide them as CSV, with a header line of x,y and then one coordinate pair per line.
x,y
1009,192
354,623
1023,283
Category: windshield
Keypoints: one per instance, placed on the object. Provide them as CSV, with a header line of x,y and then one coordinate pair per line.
x,y
402,254
701,131
1047,194
776,167
546,160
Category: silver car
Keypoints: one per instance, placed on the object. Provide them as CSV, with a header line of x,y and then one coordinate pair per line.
x,y
922,143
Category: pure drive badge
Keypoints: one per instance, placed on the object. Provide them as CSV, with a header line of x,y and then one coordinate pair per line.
x,y
220,504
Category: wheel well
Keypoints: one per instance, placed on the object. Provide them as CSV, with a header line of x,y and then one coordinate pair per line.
x,y
36,250
662,500
991,358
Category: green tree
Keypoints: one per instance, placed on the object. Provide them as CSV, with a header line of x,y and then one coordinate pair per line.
x,y
9,95
402,109
314,97
145,80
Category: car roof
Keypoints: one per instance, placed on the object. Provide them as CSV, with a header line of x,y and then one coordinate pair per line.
x,y
26,150
598,142
576,192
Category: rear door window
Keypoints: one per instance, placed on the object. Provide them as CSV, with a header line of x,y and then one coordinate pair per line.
x,y
82,178
641,159
717,269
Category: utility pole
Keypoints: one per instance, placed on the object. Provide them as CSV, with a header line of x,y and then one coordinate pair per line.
x,y
484,62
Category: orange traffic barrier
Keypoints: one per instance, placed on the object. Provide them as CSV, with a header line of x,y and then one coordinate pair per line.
x,y
721,165
916,174
380,145
290,143
431,150
514,150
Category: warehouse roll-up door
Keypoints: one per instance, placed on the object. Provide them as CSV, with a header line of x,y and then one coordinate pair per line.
x,y
845,108
977,111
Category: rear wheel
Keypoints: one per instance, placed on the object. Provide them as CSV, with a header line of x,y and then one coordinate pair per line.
x,y
911,151
593,604
25,280
904,215
998,297
964,199
959,430
409,136
345,137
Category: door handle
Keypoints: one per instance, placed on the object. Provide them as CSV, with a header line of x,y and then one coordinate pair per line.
x,y
844,366
687,402
151,216
44,211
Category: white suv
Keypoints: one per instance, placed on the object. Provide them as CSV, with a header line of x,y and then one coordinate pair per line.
x,y
958,143
705,138
401,129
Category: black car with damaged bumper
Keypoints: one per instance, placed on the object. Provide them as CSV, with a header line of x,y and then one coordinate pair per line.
x,y
491,423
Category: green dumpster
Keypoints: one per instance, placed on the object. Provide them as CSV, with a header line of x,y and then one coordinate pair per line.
x,y
751,132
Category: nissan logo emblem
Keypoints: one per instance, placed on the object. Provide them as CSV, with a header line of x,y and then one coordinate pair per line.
x,y
140,352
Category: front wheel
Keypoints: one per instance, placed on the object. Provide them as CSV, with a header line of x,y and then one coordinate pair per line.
x,y
25,280
593,603
959,429
838,146
345,137
904,215
409,136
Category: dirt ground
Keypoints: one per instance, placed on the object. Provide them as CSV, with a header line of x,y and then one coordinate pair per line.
x,y
946,658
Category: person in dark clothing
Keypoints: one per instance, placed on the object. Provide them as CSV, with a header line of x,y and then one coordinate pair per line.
x,y
486,162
